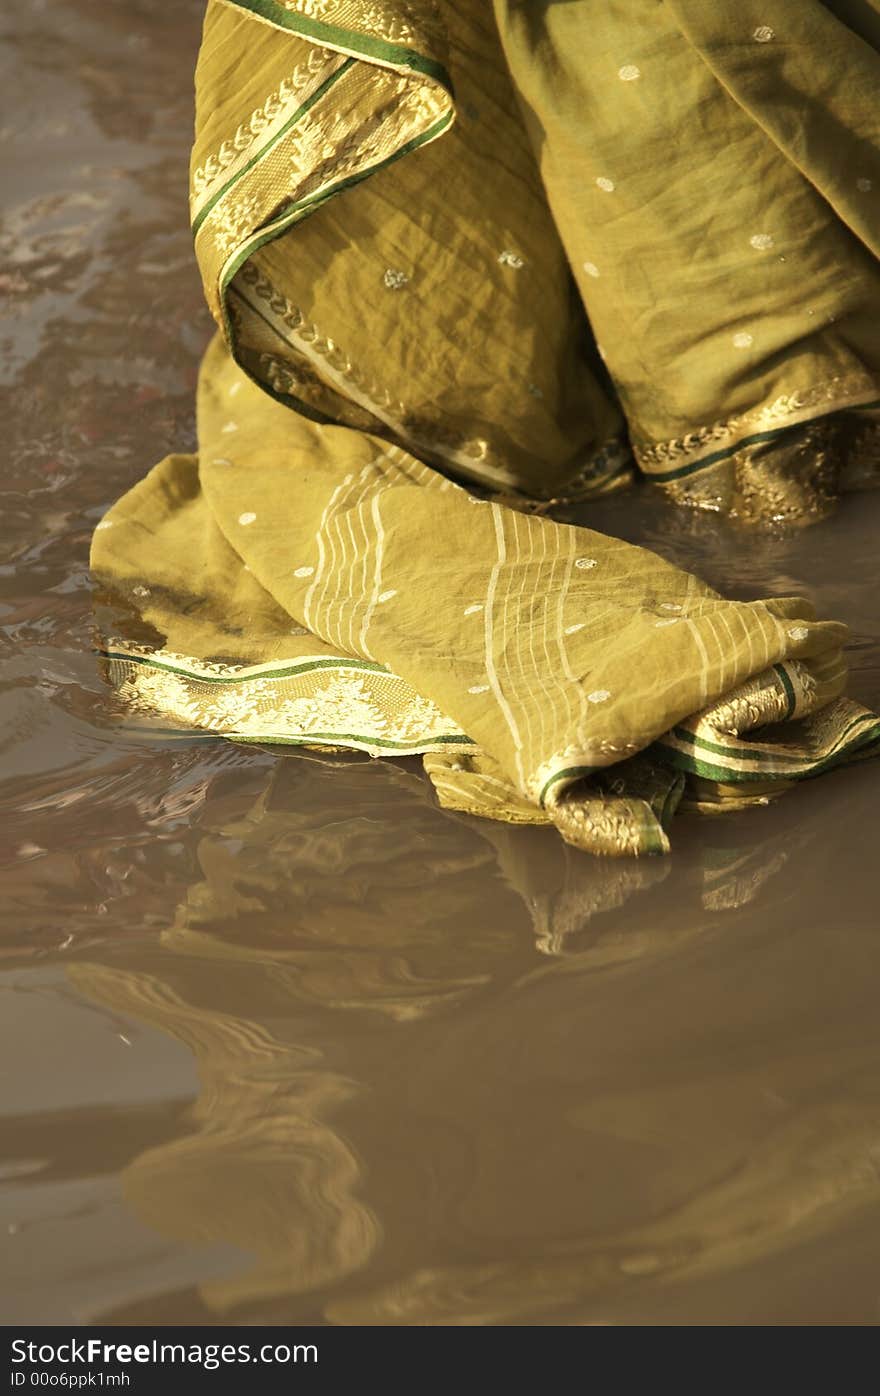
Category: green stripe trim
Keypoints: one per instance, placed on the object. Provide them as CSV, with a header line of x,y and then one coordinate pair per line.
x,y
845,747
566,774
352,740
694,766
662,476
782,674
307,205
843,750
750,753
305,666
697,766
280,225
279,135
672,800
355,45
366,46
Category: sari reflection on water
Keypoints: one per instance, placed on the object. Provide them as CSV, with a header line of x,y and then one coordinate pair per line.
x,y
404,1118
471,264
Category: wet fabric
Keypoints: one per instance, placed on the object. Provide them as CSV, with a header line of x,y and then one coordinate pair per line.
x,y
466,264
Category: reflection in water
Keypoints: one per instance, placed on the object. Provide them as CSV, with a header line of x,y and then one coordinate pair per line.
x,y
545,1173
316,907
261,1169
802,1178
448,1071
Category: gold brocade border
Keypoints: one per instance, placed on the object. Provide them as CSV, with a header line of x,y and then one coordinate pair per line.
x,y
747,735
327,146
251,137
315,701
839,733
394,32
337,703
393,99
671,460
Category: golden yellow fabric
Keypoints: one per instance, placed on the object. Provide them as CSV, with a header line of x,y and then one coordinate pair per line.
x,y
400,212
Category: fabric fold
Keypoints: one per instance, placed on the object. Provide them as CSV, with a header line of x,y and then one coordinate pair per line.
x,y
401,361
553,673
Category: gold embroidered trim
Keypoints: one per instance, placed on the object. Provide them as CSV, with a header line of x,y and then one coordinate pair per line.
x,y
788,409
302,701
399,22
325,150
260,124
329,144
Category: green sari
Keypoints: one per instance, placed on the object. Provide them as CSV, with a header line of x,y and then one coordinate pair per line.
x,y
638,239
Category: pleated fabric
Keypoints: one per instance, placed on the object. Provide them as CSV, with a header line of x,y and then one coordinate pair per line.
x,y
468,264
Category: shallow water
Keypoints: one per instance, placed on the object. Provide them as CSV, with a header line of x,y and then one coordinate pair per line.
x,y
283,1041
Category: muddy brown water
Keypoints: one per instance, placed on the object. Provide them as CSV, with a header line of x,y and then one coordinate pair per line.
x,y
283,1041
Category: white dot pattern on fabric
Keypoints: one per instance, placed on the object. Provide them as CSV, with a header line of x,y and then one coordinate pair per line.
x,y
586,563
386,595
629,72
763,34
762,242
742,340
472,610
395,280
573,629
511,259
606,185
245,519
864,186
141,591
591,269
598,695
479,688
798,632
230,426
304,571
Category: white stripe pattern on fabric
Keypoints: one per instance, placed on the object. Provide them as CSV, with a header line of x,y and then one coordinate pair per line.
x,y
489,631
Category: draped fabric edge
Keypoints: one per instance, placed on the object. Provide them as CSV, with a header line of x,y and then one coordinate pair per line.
x,y
670,462
425,74
731,744
708,747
